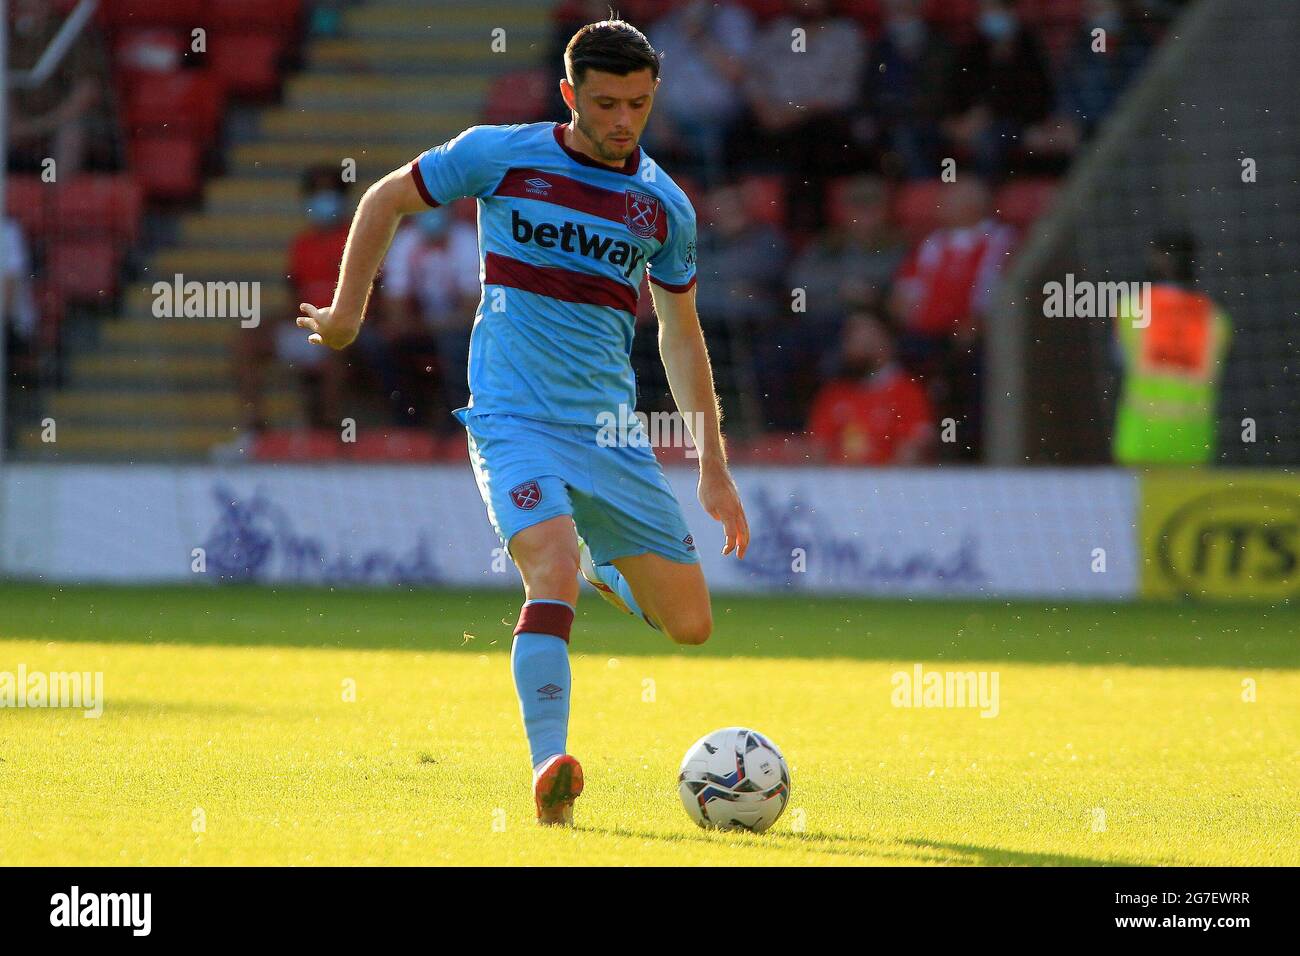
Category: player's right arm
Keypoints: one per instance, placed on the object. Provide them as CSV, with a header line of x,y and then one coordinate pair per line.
x,y
467,165
376,219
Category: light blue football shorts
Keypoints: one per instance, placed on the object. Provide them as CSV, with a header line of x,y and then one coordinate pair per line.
x,y
529,471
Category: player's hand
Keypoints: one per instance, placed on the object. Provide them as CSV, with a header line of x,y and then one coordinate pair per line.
x,y
721,501
325,328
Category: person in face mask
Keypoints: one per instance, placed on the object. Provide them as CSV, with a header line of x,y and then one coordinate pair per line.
x,y
312,266
998,89
873,413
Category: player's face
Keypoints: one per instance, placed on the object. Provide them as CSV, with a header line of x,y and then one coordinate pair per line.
x,y
612,110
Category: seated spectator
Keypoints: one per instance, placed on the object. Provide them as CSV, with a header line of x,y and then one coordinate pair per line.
x,y
429,293
741,262
799,95
939,299
903,93
1093,80
19,303
313,265
58,119
853,262
999,89
704,47
872,412
944,285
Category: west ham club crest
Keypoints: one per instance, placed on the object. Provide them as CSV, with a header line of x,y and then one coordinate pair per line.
x,y
641,213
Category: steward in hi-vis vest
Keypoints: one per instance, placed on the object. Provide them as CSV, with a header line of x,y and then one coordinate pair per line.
x,y
1173,348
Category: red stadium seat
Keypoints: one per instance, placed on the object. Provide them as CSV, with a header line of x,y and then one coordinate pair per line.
x,y
1021,202
397,444
246,64
84,270
765,199
167,167
296,445
253,16
29,202
764,10
917,207
143,54
119,14
954,18
866,13
520,96
98,204
189,102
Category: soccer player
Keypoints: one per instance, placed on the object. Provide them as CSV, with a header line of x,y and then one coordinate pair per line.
x,y
571,215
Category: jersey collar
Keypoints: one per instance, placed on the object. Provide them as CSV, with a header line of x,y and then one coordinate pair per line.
x,y
627,169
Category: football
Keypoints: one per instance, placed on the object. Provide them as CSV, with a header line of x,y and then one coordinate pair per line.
x,y
734,779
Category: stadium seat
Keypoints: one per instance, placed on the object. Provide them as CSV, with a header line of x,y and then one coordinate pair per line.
x,y
1023,201
917,208
27,201
765,199
152,13
246,64
521,96
99,204
254,16
764,10
84,269
167,167
189,102
955,18
866,13
142,54
397,444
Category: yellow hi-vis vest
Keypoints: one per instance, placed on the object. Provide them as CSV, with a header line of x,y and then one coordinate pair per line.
x,y
1172,366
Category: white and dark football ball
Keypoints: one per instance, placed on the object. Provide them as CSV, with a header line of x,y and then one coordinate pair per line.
x,y
734,779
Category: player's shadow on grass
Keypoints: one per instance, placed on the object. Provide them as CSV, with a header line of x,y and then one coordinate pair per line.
x,y
866,849
1143,634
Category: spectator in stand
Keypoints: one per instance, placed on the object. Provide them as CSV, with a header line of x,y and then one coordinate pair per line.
x,y
853,261
904,90
1094,79
999,89
742,264
939,299
741,261
704,48
799,88
873,412
430,291
313,264
19,303
58,119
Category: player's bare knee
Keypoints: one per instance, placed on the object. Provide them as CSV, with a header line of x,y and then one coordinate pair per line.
x,y
693,629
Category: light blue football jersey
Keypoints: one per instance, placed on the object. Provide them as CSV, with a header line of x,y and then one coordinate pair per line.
x,y
563,244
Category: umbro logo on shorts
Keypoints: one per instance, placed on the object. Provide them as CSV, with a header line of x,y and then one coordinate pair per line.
x,y
550,692
689,541
526,496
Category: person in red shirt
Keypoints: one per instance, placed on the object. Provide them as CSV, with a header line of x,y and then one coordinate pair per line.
x,y
874,413
313,263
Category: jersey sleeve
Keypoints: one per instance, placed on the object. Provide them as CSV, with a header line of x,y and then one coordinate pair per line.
x,y
672,267
467,165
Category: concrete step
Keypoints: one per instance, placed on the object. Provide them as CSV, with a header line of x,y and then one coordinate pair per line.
x,y
282,159
217,264
370,125
275,300
125,443
465,21
82,408
150,336
431,92
431,55
250,230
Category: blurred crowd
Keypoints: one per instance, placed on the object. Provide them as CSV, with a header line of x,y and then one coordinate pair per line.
x,y
846,159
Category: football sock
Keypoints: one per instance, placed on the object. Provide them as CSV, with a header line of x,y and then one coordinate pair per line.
x,y
614,579
539,661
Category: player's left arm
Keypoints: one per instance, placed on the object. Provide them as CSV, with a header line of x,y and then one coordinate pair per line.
x,y
690,376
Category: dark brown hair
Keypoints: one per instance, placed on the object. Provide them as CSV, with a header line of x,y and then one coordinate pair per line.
x,y
610,46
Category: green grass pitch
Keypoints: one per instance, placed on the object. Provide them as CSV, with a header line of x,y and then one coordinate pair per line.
x,y
1123,735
